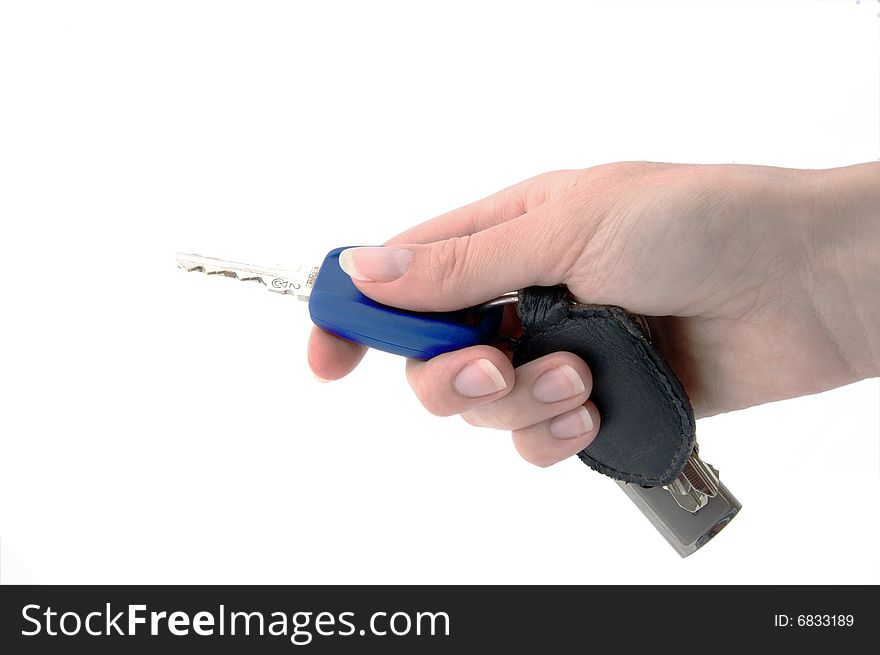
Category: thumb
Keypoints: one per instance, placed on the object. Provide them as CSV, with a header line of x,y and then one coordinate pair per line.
x,y
459,272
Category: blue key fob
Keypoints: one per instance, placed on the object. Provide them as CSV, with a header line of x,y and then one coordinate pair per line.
x,y
337,306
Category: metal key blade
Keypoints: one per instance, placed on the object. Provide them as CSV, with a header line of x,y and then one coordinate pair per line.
x,y
695,485
296,282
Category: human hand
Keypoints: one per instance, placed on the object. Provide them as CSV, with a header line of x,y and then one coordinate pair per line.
x,y
758,284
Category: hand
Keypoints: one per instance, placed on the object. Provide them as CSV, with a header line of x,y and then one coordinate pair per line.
x,y
758,284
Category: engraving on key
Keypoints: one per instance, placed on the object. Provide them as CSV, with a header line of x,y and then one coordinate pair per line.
x,y
281,283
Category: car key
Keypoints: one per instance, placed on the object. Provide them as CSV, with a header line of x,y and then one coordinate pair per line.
x,y
646,441
337,306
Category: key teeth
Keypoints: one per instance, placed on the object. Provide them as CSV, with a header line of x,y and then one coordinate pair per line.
x,y
219,271
282,281
242,278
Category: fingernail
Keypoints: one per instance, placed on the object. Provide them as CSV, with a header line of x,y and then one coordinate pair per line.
x,y
318,378
479,378
558,384
375,264
571,424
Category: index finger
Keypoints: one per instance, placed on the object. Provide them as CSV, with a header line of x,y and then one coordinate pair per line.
x,y
504,205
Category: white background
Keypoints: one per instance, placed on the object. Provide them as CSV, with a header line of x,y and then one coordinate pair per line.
x,y
163,427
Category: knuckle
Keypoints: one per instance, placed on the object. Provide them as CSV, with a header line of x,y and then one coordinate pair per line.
x,y
434,406
539,460
429,398
535,456
448,260
549,185
472,418
565,232
486,417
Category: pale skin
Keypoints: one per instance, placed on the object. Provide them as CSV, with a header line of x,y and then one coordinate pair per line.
x,y
758,283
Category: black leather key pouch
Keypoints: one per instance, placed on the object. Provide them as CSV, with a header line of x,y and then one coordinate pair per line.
x,y
647,428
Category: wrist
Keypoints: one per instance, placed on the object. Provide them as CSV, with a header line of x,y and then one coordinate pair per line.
x,y
841,268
